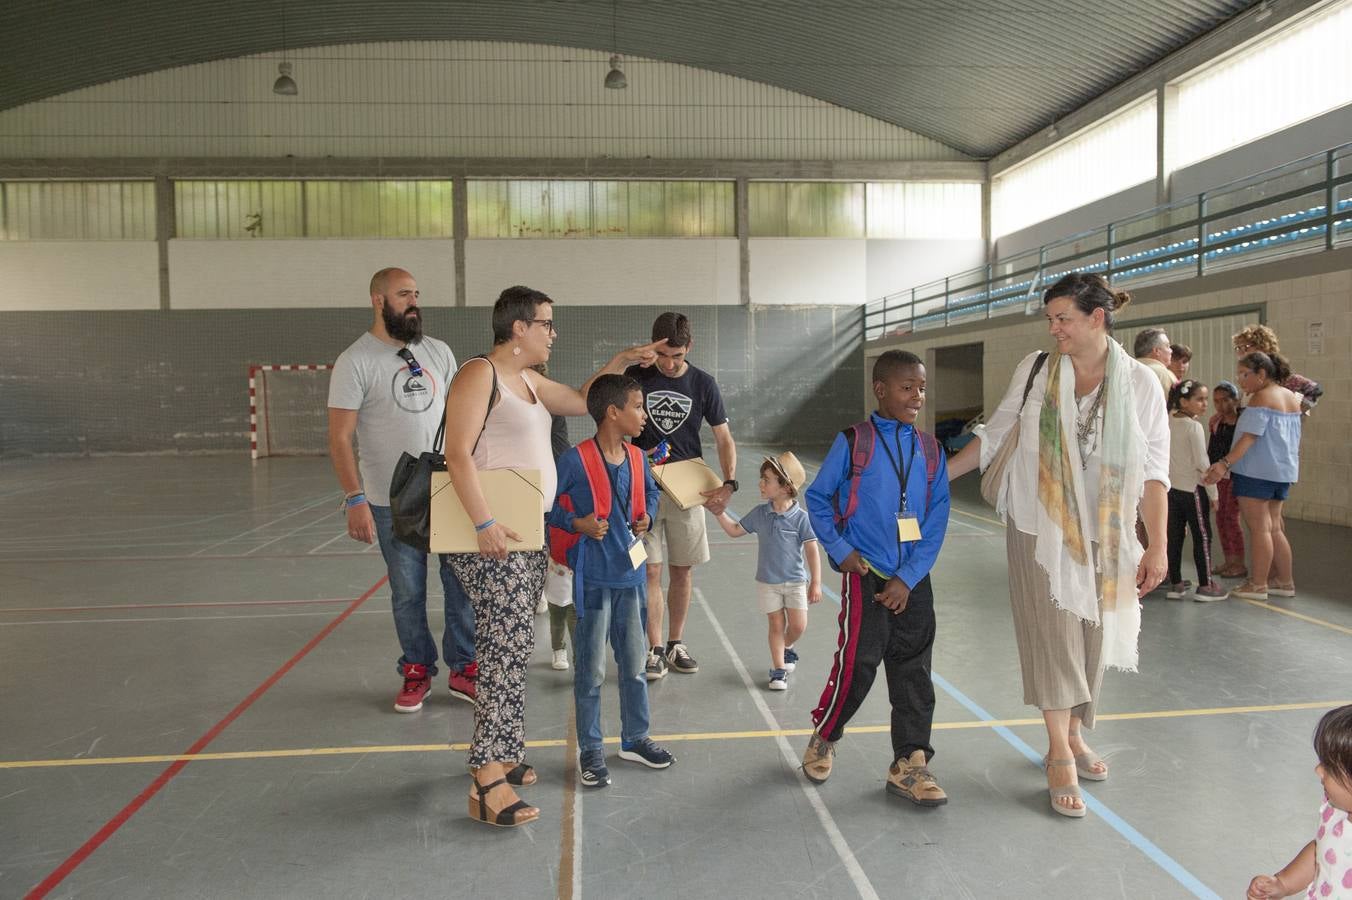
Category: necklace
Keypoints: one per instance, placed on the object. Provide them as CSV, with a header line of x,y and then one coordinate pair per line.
x,y
1086,426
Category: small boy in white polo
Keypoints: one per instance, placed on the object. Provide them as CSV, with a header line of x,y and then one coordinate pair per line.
x,y
788,568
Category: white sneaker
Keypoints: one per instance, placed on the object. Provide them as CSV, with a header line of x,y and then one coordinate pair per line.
x,y
560,660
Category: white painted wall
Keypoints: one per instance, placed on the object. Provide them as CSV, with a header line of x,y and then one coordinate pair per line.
x,y
596,272
276,274
1094,215
452,99
66,275
809,270
896,265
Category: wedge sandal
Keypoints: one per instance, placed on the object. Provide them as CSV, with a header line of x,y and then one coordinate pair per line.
x,y
503,818
522,776
1060,793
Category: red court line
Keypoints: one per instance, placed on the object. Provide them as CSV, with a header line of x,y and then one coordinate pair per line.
x,y
57,609
112,825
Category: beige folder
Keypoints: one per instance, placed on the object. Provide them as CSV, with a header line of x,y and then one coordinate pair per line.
x,y
514,499
685,480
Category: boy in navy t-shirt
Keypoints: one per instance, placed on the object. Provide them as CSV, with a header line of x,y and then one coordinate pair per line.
x,y
609,576
885,551
678,398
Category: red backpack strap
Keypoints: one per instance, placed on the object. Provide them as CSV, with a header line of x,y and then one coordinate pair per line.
x,y
929,445
638,501
597,479
560,541
860,440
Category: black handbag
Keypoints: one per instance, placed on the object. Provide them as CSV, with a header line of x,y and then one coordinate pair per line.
x,y
411,484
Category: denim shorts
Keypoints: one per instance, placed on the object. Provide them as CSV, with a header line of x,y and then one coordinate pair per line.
x,y
1258,488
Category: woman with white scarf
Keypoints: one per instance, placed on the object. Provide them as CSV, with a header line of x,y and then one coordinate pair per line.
x,y
1092,452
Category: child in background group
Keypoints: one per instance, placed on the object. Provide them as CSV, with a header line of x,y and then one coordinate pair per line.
x,y
1187,464
783,586
1225,398
607,495
1325,863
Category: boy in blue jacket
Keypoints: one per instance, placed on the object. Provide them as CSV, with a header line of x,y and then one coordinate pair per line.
x,y
884,548
606,501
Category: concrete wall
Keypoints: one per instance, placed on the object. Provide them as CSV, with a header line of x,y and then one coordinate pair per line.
x,y
1293,296
82,382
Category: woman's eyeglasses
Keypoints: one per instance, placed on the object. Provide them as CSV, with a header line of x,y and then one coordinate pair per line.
x,y
548,323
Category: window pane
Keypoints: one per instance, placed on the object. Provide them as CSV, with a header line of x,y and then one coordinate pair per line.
x,y
78,210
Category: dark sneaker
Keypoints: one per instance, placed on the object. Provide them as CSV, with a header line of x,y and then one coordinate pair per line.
x,y
646,752
656,666
912,779
591,768
778,680
463,682
681,660
790,659
416,685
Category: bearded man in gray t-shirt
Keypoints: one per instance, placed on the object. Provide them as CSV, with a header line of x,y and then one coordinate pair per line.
x,y
389,390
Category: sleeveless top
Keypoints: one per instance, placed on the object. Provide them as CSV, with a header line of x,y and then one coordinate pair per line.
x,y
516,436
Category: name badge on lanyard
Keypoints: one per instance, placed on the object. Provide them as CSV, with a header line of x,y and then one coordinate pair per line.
x,y
638,554
908,526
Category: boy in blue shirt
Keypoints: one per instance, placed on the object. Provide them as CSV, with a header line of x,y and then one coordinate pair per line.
x,y
784,585
607,497
884,551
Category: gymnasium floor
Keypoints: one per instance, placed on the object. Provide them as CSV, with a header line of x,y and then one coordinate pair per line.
x,y
196,680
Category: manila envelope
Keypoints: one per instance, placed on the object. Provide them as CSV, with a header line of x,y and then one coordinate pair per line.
x,y
685,480
514,498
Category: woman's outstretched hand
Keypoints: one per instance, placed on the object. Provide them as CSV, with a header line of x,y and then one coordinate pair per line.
x,y
642,355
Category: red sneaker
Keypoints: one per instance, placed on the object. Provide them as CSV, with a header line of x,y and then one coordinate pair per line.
x,y
416,685
462,683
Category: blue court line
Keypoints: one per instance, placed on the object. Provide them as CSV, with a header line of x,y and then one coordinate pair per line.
x,y
1118,824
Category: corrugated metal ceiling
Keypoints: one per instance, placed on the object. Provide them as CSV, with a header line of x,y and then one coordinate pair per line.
x,y
977,75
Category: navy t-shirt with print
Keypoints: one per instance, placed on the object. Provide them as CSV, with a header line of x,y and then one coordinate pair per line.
x,y
676,407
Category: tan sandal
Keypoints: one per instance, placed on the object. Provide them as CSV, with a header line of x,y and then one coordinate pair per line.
x,y
1071,791
1084,766
1276,589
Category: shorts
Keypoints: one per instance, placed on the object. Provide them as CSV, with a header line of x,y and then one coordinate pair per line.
x,y
773,597
678,536
1258,488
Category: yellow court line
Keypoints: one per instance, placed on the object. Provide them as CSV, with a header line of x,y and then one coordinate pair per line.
x,y
1295,615
963,512
301,752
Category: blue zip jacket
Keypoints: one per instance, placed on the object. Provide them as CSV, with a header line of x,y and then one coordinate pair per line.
x,y
603,563
872,530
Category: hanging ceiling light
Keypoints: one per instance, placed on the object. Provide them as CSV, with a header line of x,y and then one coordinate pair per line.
x,y
285,84
615,79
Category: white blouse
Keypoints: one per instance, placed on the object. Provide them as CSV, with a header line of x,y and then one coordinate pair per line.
x,y
1019,496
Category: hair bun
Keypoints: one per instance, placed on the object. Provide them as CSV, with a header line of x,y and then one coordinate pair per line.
x,y
1120,299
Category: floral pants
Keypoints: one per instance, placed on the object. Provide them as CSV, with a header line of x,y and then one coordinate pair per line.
x,y
503,594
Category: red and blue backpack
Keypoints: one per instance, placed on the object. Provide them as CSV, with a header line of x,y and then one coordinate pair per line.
x,y
861,439
562,542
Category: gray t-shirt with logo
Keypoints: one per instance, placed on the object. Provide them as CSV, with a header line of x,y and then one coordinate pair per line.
x,y
397,411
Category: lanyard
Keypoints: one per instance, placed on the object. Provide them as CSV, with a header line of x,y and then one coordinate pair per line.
x,y
900,464
615,501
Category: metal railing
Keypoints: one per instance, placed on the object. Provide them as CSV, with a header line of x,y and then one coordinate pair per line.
x,y
1301,207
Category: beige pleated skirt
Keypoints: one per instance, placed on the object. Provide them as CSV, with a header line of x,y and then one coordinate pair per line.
x,y
1060,653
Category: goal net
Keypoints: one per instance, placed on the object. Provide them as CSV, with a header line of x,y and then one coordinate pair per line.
x,y
288,410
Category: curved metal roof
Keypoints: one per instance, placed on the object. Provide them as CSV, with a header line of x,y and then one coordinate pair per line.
x,y
977,75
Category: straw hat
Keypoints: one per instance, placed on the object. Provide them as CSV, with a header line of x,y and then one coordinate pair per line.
x,y
789,468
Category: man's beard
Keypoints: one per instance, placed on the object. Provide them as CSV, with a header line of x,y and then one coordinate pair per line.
x,y
403,327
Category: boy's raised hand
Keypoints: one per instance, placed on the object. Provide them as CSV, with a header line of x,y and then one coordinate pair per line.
x,y
591,526
642,525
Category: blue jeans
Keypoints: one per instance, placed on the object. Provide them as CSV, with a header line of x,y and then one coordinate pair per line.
x,y
408,597
613,613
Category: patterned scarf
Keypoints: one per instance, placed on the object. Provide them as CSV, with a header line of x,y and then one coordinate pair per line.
x,y
1063,549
